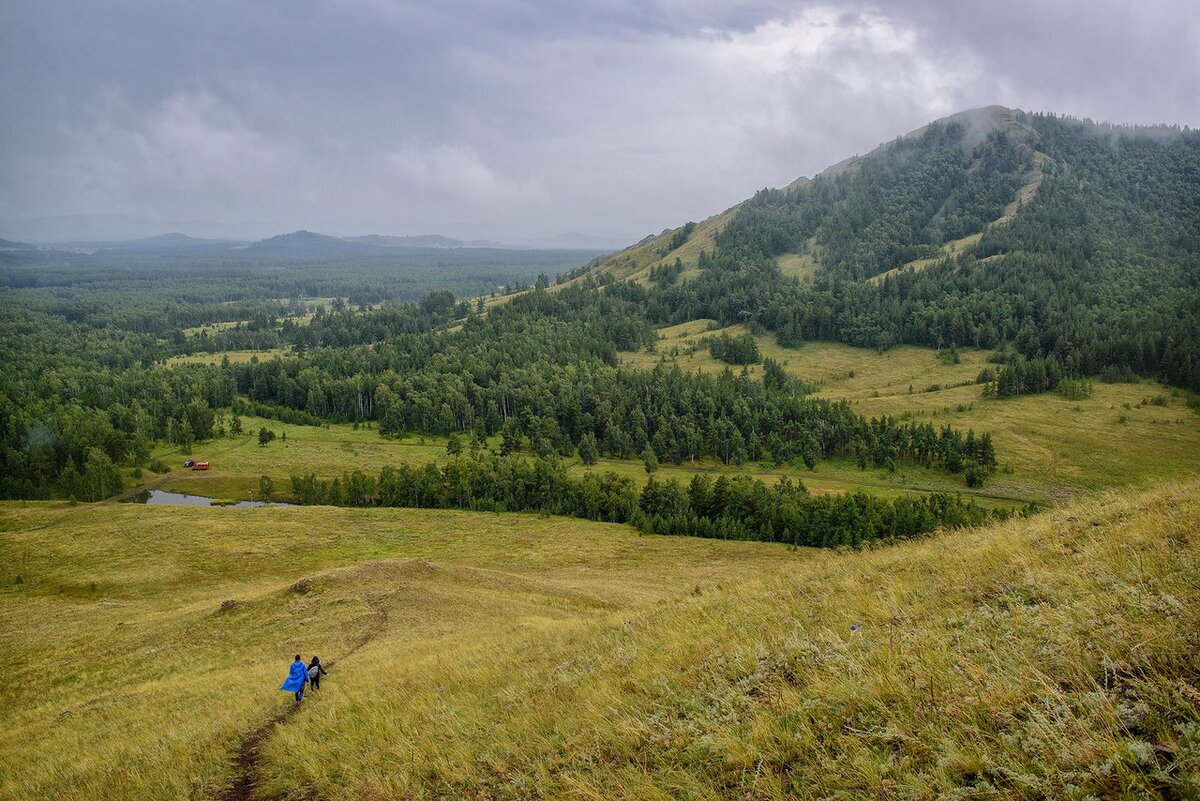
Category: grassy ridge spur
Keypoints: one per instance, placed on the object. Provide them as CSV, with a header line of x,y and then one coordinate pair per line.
x,y
1049,658
517,656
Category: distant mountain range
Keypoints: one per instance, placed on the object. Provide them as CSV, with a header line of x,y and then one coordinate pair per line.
x,y
310,243
121,233
164,242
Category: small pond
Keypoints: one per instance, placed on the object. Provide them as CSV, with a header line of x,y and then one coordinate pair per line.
x,y
156,497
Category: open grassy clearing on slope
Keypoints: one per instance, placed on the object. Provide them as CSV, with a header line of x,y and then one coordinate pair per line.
x,y
311,304
234,356
830,476
1050,447
840,370
1025,193
212,328
1047,658
952,248
634,262
1057,446
802,266
238,463
141,643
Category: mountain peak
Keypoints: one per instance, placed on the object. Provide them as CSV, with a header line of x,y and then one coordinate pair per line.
x,y
297,239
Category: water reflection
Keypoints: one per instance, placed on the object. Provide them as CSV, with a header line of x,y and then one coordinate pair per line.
x,y
157,497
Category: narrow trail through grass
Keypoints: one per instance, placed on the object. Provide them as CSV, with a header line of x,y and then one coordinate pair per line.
x,y
249,752
1051,657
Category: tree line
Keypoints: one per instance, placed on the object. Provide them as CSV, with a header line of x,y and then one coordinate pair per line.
x,y
725,508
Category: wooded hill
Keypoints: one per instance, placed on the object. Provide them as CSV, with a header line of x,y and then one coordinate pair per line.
x,y
1060,238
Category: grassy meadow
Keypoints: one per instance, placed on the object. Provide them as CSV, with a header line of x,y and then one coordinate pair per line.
x,y
634,262
1049,447
234,356
514,656
142,642
237,463
212,328
1052,658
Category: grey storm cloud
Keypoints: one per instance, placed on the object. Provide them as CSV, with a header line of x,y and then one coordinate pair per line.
x,y
511,120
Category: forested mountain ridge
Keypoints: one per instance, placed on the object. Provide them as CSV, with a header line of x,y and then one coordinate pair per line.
x,y
685,242
1070,242
9,245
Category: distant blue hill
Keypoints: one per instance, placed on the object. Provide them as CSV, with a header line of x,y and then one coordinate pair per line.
x,y
166,243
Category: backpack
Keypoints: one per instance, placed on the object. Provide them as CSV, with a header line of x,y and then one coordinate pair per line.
x,y
313,672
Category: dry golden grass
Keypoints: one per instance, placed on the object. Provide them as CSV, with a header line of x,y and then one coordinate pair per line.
x,y
522,657
127,675
1045,658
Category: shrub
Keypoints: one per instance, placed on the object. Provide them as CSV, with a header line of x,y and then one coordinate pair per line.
x,y
975,475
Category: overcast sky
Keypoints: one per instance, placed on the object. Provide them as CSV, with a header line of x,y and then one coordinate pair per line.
x,y
513,120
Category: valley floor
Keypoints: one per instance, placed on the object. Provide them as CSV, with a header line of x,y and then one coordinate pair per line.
x,y
1050,448
523,657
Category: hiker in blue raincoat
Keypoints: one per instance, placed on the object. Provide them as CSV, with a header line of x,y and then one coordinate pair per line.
x,y
297,678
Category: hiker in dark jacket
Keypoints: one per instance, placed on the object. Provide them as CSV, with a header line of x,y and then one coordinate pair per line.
x,y
315,672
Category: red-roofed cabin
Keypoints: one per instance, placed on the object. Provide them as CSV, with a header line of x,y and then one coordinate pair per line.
x,y
200,466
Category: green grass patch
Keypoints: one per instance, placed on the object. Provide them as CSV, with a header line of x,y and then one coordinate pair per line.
x,y
1049,447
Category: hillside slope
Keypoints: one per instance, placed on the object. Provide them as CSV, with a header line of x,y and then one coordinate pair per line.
x,y
636,260
1054,657
517,657
142,643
